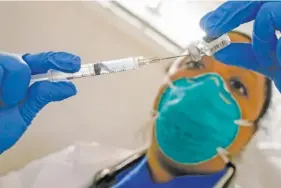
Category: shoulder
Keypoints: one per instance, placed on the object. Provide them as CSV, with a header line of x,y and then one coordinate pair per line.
x,y
72,167
255,168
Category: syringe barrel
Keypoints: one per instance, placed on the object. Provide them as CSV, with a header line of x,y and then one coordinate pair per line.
x,y
117,65
87,70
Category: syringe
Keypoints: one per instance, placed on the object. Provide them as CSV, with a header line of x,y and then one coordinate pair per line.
x,y
195,51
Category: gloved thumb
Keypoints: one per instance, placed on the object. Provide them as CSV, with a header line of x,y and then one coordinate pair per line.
x,y
240,55
277,76
42,93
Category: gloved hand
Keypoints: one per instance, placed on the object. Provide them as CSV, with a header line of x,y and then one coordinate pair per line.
x,y
19,102
264,54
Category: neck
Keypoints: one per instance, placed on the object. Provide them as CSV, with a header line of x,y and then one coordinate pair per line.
x,y
158,173
162,175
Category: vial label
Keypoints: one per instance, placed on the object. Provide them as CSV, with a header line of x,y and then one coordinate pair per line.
x,y
218,46
211,47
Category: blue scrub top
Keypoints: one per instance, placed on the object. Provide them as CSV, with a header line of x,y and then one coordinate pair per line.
x,y
139,176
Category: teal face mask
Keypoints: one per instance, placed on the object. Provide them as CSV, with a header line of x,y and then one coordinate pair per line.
x,y
196,117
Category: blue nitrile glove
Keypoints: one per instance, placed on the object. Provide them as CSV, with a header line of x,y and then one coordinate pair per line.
x,y
19,102
264,54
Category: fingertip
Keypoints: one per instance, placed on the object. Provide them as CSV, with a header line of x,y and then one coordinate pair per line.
x,y
204,24
77,63
61,61
66,62
71,89
63,90
42,93
208,24
52,91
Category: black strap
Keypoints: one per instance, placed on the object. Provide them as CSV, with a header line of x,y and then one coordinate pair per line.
x,y
109,179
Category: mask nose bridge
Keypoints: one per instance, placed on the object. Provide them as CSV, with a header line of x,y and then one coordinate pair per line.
x,y
223,91
219,82
219,70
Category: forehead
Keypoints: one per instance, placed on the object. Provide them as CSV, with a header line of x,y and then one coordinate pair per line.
x,y
238,37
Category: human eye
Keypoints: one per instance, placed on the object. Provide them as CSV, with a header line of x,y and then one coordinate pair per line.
x,y
238,86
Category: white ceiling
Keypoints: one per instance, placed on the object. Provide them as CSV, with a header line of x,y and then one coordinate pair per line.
x,y
176,19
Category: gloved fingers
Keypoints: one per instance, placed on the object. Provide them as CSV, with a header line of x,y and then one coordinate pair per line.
x,y
42,93
228,16
238,54
61,61
14,80
267,22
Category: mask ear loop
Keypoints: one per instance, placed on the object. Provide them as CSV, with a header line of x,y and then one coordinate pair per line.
x,y
169,82
244,123
154,114
171,71
223,154
176,68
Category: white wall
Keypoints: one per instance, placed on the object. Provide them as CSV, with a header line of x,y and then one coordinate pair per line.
x,y
108,108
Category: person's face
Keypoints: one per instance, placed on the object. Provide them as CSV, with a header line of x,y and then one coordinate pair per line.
x,y
246,86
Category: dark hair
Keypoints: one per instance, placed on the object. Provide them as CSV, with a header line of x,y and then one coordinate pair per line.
x,y
268,87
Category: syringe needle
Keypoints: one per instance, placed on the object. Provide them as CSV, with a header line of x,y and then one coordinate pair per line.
x,y
156,59
172,57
